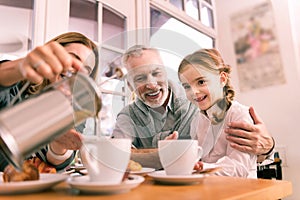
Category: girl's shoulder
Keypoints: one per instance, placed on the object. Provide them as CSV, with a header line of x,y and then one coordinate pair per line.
x,y
239,112
235,105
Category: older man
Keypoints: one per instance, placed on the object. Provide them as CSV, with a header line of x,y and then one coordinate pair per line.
x,y
161,111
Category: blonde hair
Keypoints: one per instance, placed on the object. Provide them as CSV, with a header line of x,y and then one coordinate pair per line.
x,y
75,37
212,60
65,39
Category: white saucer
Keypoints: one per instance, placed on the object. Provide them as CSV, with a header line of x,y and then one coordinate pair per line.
x,y
83,184
143,172
160,176
46,181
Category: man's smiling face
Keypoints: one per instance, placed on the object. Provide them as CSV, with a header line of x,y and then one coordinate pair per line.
x,y
147,77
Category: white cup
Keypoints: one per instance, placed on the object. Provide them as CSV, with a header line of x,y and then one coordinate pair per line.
x,y
178,157
106,159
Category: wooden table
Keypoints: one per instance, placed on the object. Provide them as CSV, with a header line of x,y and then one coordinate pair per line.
x,y
212,187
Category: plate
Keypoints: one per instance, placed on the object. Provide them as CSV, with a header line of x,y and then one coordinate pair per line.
x,y
143,172
160,176
75,170
83,184
46,181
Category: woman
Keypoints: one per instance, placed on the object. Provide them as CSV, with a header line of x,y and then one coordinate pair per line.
x,y
68,52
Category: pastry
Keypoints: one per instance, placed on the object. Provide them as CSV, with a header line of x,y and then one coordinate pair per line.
x,y
42,166
29,172
134,166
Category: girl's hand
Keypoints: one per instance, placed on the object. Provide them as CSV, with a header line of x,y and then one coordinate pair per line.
x,y
173,136
198,166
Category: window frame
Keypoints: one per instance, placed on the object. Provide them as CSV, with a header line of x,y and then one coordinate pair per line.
x,y
182,16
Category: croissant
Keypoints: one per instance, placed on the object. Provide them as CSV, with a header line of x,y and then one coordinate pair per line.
x,y
42,166
29,172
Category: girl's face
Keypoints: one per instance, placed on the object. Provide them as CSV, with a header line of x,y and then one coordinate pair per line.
x,y
202,86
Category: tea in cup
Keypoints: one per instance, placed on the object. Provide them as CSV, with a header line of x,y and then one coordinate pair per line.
x,y
105,159
178,157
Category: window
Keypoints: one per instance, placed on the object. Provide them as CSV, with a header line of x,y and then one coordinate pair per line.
x,y
113,25
163,21
112,47
84,18
192,9
208,1
106,26
177,3
176,39
113,40
200,10
207,14
17,19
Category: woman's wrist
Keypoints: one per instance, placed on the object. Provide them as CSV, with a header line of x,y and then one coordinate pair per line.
x,y
10,72
57,148
57,158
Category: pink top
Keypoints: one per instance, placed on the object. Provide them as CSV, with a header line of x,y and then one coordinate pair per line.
x,y
216,149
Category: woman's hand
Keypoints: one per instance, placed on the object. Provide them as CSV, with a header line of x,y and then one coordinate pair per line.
x,y
72,140
61,148
47,61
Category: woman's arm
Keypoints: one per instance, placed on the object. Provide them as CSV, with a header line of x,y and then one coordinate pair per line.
x,y
10,73
45,61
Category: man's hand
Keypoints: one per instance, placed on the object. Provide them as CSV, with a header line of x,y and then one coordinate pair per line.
x,y
250,138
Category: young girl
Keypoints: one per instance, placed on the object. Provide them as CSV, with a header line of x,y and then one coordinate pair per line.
x,y
206,81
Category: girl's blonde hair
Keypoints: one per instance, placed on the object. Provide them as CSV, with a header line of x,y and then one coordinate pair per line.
x,y
212,60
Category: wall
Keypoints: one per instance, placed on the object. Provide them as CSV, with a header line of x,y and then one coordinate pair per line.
x,y
277,105
294,6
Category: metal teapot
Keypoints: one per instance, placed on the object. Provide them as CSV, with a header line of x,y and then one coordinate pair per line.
x,y
37,120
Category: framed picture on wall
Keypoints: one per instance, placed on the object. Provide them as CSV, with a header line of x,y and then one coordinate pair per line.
x,y
256,48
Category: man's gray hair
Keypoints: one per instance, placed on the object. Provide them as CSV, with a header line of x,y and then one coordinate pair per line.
x,y
135,51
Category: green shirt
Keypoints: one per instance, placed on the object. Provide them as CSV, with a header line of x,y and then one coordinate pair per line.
x,y
146,126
